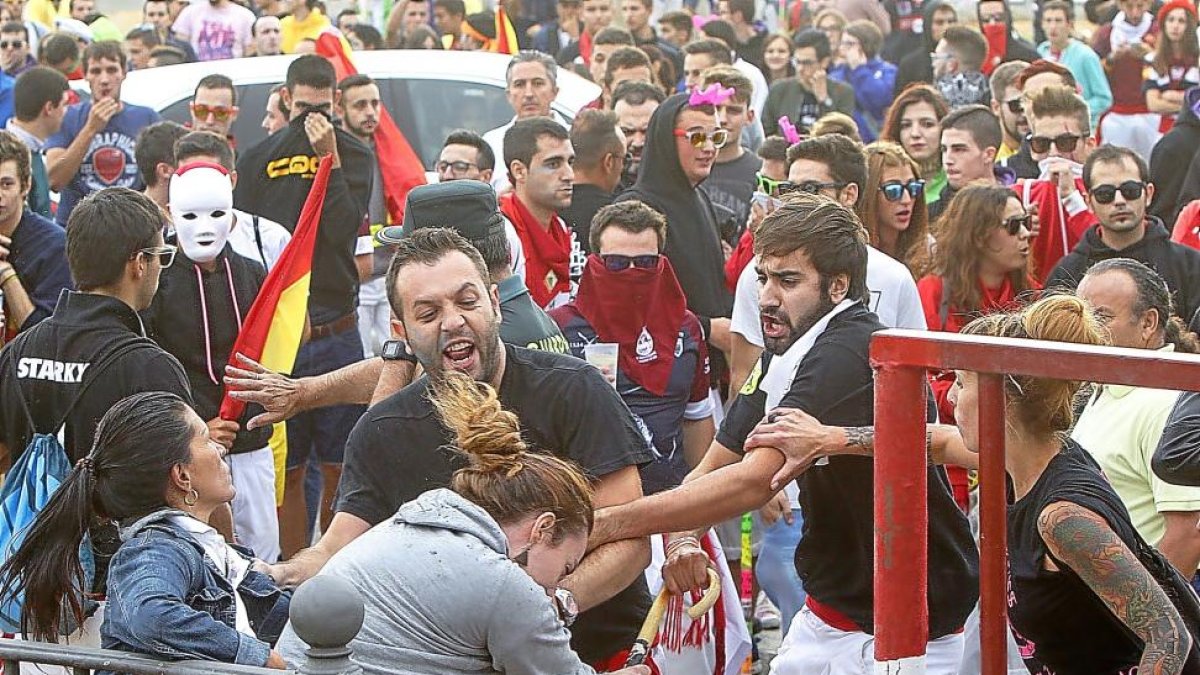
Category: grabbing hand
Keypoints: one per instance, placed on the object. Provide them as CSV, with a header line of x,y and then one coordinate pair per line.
x,y
779,507
1059,171
279,395
798,435
686,568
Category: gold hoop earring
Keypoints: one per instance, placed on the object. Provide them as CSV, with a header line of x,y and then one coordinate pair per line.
x,y
193,496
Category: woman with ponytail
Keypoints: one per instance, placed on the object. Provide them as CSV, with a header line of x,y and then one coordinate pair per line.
x,y
463,580
176,590
1087,595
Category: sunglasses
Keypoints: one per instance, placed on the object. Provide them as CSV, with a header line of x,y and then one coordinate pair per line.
x,y
615,262
455,167
894,190
1130,190
1015,106
1064,143
809,187
202,111
1014,224
766,185
164,253
14,44
697,139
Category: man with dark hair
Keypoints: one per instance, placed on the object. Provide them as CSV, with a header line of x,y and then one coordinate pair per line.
x,y
604,45
39,105
155,155
676,28
268,35
33,263
627,64
723,32
214,106
531,87
554,36
94,147
347,19
166,56
276,176
1118,190
699,56
1006,44
14,48
139,42
1008,106
156,14
59,51
629,296
538,157
916,65
595,16
1058,21
634,103
448,16
804,98
811,265
970,138
730,185
599,164
957,68
217,29
740,14
365,37
277,114
637,14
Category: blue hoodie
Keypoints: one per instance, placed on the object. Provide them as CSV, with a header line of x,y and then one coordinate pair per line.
x,y
873,84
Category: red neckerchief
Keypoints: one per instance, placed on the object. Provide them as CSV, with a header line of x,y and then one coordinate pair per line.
x,y
997,299
547,251
641,310
585,47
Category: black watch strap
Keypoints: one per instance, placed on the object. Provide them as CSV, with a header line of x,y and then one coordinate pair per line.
x,y
397,350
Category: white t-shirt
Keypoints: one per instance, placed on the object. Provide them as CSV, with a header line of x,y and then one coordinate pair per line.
x,y
894,297
495,138
216,32
244,242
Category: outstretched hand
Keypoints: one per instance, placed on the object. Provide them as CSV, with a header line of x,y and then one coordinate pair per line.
x,y
279,395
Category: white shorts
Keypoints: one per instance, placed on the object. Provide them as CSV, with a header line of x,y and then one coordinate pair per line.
x,y
88,635
255,520
813,647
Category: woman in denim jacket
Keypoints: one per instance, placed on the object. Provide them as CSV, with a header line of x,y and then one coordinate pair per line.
x,y
176,590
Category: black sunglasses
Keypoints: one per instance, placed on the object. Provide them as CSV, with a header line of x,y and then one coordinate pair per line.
x,y
1064,143
810,187
894,190
1013,225
615,262
1130,190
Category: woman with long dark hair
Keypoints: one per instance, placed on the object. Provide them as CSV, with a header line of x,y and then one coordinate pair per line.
x,y
915,122
176,590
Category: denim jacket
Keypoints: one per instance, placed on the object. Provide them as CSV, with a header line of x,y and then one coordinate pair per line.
x,y
166,599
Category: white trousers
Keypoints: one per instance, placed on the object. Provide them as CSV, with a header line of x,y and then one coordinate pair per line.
x,y
374,316
813,647
255,520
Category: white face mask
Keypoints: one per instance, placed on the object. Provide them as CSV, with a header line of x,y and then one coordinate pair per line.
x,y
1043,166
201,203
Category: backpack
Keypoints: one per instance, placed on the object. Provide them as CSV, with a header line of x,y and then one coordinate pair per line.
x,y
34,478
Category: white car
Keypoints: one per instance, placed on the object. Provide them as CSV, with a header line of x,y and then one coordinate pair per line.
x,y
428,93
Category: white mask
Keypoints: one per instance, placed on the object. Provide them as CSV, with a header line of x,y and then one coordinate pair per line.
x,y
201,204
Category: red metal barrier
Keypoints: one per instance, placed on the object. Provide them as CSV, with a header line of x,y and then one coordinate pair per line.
x,y
901,358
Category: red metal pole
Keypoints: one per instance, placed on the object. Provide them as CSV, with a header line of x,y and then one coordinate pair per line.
x,y
993,548
901,520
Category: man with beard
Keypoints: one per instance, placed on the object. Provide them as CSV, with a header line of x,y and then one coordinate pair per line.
x,y
812,259
538,157
629,296
634,103
1008,106
448,315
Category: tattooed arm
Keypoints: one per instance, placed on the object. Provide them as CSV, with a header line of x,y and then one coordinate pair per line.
x,y
1085,542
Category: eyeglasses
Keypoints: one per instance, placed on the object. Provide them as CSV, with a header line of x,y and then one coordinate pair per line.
x,y
808,187
803,63
455,167
164,253
1130,190
1064,143
1015,105
202,111
1014,224
894,190
697,139
766,185
12,44
615,262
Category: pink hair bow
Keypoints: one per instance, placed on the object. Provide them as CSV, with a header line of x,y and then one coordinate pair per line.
x,y
789,130
714,95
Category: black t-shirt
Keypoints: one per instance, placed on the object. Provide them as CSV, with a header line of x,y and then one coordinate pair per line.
x,y
1059,623
400,449
731,185
835,558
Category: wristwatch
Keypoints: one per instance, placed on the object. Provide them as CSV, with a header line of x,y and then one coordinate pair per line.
x,y
397,350
568,610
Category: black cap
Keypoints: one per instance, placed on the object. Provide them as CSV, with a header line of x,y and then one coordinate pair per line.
x,y
466,206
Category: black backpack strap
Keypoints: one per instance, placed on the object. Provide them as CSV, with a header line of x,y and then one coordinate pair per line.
x,y
258,239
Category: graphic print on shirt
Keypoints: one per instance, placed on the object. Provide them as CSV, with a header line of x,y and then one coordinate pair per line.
x,y
215,41
109,162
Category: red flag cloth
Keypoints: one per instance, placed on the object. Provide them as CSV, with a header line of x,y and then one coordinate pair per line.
x,y
506,34
399,165
272,330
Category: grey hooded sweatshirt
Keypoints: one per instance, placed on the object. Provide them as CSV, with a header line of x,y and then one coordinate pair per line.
x,y
442,596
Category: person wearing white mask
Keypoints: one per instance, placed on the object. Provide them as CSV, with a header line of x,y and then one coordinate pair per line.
x,y
196,315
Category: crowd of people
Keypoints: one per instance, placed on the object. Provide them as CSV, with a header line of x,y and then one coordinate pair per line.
x,y
524,395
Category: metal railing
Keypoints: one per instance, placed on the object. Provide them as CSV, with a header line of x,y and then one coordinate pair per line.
x,y
326,613
901,359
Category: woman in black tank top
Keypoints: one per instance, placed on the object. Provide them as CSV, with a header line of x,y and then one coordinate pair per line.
x,y
1081,599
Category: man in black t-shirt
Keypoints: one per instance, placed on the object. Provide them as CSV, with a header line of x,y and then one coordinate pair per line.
x,y
448,313
812,270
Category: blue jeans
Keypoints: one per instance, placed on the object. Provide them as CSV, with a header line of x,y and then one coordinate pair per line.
x,y
776,567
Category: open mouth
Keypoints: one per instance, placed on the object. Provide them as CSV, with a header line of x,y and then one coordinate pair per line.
x,y
774,328
460,354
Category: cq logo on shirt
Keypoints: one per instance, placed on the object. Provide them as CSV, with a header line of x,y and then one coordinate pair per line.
x,y
296,165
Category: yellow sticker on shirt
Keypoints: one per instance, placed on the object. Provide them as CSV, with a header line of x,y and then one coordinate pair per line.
x,y
751,384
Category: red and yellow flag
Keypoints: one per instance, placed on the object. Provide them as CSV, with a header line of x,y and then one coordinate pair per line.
x,y
399,165
506,34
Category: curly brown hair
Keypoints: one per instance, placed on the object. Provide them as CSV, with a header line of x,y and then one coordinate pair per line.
x,y
961,233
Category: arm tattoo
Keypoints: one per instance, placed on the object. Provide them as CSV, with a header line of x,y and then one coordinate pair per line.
x,y
864,438
1085,542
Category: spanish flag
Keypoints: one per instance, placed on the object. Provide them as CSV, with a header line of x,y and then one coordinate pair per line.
x,y
399,165
274,326
506,34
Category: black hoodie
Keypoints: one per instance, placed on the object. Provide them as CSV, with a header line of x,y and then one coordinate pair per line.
x,y
916,66
903,38
1017,48
693,240
1179,265
1173,170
